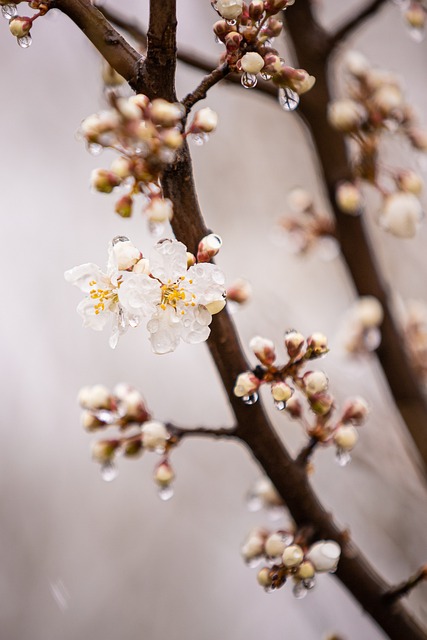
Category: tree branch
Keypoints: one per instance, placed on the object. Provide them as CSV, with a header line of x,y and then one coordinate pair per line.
x,y
208,81
354,23
406,587
180,433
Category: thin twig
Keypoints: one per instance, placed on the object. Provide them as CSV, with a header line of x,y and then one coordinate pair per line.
x,y
354,23
406,587
306,452
205,432
208,81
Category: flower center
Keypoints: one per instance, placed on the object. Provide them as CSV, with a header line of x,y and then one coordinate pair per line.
x,y
103,296
172,294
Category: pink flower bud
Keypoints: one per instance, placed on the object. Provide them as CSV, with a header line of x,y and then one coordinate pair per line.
x,y
346,437
103,450
166,114
164,474
124,206
281,392
20,26
315,382
355,410
256,9
205,121
239,291
321,403
263,349
104,181
246,384
208,247
294,343
317,345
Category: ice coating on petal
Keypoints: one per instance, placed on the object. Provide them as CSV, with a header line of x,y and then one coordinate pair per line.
x,y
95,321
195,325
84,274
168,261
139,294
206,281
165,331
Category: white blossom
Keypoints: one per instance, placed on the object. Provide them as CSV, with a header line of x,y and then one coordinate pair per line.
x,y
229,9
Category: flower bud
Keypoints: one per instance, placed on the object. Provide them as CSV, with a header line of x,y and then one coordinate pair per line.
x,y
410,181
368,312
142,266
317,345
128,109
348,198
254,545
355,411
90,422
346,437
346,115
304,83
418,137
133,404
94,398
324,555
125,255
294,343
124,206
104,181
263,349
208,247
232,41
122,167
264,577
275,545
159,210
98,123
240,291
256,9
205,121
281,392
274,6
321,403
252,62
294,407
315,382
292,556
356,64
191,259
387,99
154,435
415,16
229,9
401,214
104,450
164,474
132,448
166,114
306,571
172,138
299,200
140,100
246,384
20,26
274,28
221,28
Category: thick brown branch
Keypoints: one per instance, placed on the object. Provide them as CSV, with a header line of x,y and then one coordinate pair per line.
x,y
368,11
355,245
406,587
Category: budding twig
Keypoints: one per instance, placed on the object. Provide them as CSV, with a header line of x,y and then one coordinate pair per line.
x,y
354,23
180,432
406,587
306,452
208,81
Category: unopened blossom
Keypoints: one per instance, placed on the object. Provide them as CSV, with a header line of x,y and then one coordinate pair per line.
x,y
387,99
346,437
159,210
229,9
154,435
368,312
246,384
401,214
346,115
356,63
410,181
252,62
348,198
205,121
355,411
264,349
292,556
324,555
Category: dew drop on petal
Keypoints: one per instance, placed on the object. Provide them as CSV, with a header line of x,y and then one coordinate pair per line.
x,y
269,589
25,41
109,471
118,239
232,23
166,493
279,404
250,399
299,590
288,99
9,11
342,458
94,148
248,80
107,417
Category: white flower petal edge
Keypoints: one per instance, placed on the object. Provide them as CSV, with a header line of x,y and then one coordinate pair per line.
x,y
178,302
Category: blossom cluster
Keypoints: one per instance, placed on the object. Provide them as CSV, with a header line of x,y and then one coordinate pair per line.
x,y
415,332
375,107
306,227
361,332
20,26
147,136
288,556
312,387
414,13
175,291
124,409
248,31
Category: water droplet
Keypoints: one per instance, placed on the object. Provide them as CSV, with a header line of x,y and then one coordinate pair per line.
x,y
248,80
232,23
250,399
279,404
253,502
342,457
166,493
109,471
118,239
9,11
253,562
299,590
217,40
372,339
288,99
156,229
309,583
160,450
265,76
25,41
417,33
200,139
107,417
94,148
133,321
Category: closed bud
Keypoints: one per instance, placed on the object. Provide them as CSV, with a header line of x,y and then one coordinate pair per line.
x,y
154,435
348,198
256,9
253,547
299,200
132,448
164,474
346,115
246,384
140,100
274,28
208,247
125,255
304,83
124,206
104,181
205,121
172,138
20,26
142,266
103,450
98,123
275,545
122,167
321,403
292,556
346,437
229,9
317,345
94,398
368,312
128,109
264,577
232,41
315,382
166,114
294,407
418,137
415,16
133,405
281,392
159,210
90,422
410,181
324,555
239,291
191,259
355,410
306,571
221,28
401,214
274,6
356,64
294,343
387,99
263,349
252,62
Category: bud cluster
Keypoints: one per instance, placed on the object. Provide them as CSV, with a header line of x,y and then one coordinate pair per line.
x,y
361,331
374,107
308,228
414,13
415,331
311,386
238,293
147,136
248,31
124,409
20,26
288,555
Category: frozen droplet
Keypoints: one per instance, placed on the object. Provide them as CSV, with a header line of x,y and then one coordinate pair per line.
x,y
9,11
309,583
156,229
200,138
342,457
109,471
279,404
107,417
118,239
417,33
372,339
248,80
160,450
327,248
232,23
94,148
269,589
166,493
299,590
253,562
265,76
217,40
253,502
25,41
251,399
288,99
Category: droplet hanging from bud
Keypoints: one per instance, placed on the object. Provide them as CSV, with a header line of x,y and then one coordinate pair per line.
x,y
165,493
25,41
94,148
342,457
250,399
118,239
249,80
288,99
200,139
280,405
299,590
109,471
9,11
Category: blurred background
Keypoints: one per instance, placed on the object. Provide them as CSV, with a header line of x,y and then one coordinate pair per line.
x,y
85,558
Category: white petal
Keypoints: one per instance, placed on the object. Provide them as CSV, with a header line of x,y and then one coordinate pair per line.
x,y
96,321
195,324
165,328
207,283
139,294
82,275
168,261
